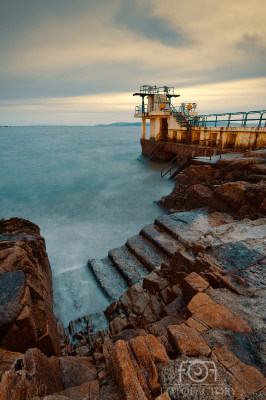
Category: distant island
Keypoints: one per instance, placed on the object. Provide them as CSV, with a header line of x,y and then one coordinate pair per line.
x,y
122,124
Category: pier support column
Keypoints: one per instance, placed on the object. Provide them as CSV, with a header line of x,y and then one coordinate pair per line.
x,y
143,128
157,128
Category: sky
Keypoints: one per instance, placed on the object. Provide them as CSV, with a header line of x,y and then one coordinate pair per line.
x,y
65,62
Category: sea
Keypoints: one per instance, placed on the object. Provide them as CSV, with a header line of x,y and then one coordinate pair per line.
x,y
87,192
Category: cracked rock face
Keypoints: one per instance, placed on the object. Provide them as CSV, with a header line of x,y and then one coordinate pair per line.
x,y
26,294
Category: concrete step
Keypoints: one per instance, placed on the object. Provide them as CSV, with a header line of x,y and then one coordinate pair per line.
x,y
189,226
161,240
146,252
127,265
109,279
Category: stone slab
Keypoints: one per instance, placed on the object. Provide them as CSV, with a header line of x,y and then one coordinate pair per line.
x,y
109,279
146,252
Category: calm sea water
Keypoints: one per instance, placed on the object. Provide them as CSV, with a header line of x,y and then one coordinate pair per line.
x,y
85,189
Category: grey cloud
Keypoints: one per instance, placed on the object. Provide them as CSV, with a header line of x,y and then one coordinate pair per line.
x,y
252,45
139,19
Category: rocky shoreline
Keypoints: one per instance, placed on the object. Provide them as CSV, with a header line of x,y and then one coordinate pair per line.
x,y
188,291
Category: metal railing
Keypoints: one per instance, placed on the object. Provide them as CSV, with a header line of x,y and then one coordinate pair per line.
x,y
231,119
196,148
156,90
141,109
143,154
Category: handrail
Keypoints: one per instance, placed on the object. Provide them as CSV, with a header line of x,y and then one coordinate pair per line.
x,y
168,164
197,147
141,156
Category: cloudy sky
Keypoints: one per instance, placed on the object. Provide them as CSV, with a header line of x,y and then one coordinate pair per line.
x,y
77,62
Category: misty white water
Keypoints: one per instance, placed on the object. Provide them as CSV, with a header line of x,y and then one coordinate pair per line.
x,y
85,189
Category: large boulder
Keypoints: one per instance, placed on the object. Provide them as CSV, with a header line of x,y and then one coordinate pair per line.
x,y
230,196
26,293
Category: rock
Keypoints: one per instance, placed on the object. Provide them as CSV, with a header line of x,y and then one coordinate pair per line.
x,y
75,371
125,335
11,292
7,359
135,300
164,396
14,387
198,196
125,374
112,310
157,350
82,351
89,390
177,309
139,373
35,375
205,261
192,285
181,261
168,295
195,174
188,341
143,356
22,334
169,320
249,377
230,196
208,313
193,323
157,329
32,323
118,324
154,283
44,371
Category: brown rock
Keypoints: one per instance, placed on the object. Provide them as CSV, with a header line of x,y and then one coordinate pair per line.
x,y
192,323
199,300
7,359
230,196
236,324
125,335
164,396
112,310
169,320
143,356
157,329
206,312
118,324
21,335
125,374
14,387
44,371
154,283
82,351
135,300
75,371
198,196
195,174
140,376
176,290
192,285
205,261
99,360
188,341
181,261
168,295
249,377
90,390
157,350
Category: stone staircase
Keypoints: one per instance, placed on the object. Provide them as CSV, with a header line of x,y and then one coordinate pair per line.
x,y
154,245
